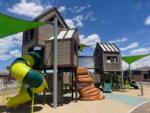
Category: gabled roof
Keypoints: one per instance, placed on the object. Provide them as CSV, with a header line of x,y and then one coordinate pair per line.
x,y
108,47
54,9
65,34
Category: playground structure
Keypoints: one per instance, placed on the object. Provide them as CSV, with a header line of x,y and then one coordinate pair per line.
x,y
38,45
67,49
107,63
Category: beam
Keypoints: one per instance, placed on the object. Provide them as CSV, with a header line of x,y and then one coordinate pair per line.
x,y
55,65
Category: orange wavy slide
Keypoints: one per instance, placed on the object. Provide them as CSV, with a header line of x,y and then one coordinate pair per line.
x,y
85,86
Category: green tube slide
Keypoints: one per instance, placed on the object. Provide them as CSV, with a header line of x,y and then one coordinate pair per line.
x,y
32,81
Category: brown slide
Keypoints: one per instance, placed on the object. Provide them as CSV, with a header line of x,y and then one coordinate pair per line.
x,y
85,86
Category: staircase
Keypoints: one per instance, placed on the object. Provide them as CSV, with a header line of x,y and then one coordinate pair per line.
x,y
85,86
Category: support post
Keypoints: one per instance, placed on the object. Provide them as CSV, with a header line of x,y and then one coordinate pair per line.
x,y
130,73
76,92
32,106
141,85
122,79
55,65
72,85
44,92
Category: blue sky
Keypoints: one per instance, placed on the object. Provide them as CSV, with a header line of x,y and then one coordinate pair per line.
x,y
124,22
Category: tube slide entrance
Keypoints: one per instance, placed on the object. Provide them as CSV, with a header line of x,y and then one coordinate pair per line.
x,y
32,81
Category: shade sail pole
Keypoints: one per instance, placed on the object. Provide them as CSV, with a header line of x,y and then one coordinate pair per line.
x,y
122,79
55,65
130,73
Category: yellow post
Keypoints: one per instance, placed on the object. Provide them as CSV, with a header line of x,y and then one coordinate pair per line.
x,y
32,107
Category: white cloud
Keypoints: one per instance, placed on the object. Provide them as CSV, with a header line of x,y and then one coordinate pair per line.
x,y
70,23
75,22
130,46
140,63
83,13
139,51
29,9
120,40
4,57
78,9
62,9
125,66
15,53
78,20
89,16
147,21
11,54
91,40
8,44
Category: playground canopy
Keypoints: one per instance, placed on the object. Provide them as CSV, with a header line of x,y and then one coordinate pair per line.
x,y
10,25
131,59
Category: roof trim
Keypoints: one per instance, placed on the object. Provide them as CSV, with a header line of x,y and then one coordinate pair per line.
x,y
107,47
85,56
65,34
49,11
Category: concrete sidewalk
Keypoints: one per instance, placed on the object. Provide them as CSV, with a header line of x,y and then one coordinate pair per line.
x,y
145,108
126,99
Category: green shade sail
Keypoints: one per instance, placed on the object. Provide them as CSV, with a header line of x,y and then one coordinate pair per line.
x,y
10,25
131,59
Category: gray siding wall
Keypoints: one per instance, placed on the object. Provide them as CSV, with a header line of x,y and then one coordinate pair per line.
x,y
27,45
75,60
64,57
112,66
45,32
98,60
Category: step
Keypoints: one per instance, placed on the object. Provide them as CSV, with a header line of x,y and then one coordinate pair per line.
x,y
85,80
82,71
82,76
82,85
93,93
88,87
92,98
84,93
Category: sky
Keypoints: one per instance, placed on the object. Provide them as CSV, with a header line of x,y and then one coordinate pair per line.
x,y
123,22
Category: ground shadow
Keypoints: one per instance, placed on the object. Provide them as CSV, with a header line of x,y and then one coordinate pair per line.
x,y
67,100
21,109
39,99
